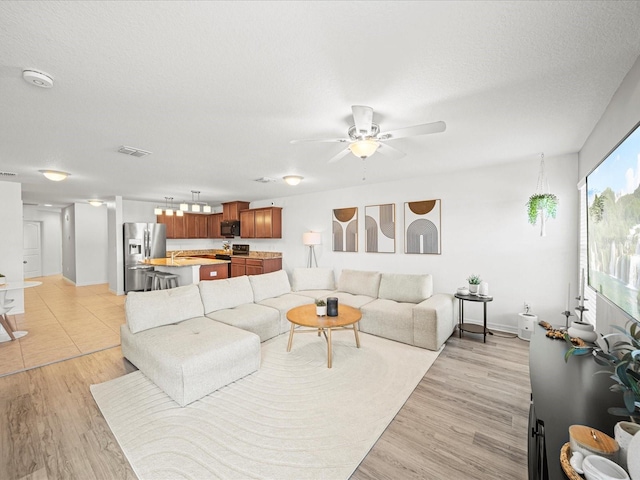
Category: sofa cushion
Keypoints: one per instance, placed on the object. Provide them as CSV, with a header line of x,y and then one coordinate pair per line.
x,y
313,279
269,285
225,293
283,304
145,310
389,319
358,282
355,301
193,358
315,294
258,319
405,288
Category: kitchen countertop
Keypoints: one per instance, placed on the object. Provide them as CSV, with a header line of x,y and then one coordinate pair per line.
x,y
252,254
183,262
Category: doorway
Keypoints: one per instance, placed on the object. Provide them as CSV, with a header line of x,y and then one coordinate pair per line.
x,y
31,249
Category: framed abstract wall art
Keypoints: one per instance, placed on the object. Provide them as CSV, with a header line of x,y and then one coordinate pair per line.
x,y
422,227
380,228
345,229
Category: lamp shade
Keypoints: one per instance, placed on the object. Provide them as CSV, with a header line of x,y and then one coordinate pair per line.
x,y
311,238
364,148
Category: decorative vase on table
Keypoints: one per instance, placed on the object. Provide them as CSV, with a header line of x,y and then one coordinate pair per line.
x,y
321,310
623,433
3,280
583,330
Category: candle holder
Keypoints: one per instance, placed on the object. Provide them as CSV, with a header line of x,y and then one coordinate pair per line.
x,y
567,314
581,308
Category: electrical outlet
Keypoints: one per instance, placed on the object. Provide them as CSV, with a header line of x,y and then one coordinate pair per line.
x,y
527,307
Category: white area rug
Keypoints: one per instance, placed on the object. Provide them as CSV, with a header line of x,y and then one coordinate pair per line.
x,y
293,419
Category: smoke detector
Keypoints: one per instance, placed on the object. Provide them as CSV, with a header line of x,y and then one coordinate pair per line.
x,y
39,79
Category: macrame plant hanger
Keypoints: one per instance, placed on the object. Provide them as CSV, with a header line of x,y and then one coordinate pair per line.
x,y
543,203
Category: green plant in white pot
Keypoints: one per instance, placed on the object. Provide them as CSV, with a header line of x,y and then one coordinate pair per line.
x,y
321,308
3,279
474,283
542,204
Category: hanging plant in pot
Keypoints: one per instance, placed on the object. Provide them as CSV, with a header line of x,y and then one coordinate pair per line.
x,y
542,204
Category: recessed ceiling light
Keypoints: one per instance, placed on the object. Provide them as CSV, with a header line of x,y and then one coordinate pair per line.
x,y
39,79
292,179
95,203
54,175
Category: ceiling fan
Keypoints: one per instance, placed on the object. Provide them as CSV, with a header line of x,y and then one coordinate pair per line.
x,y
365,138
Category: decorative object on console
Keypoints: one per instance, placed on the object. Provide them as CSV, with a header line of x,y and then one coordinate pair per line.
x,y
542,203
332,307
623,432
583,330
596,467
422,227
589,441
345,229
474,283
311,239
380,228
321,308
3,279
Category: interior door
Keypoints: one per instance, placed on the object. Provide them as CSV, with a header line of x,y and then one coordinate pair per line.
x,y
31,249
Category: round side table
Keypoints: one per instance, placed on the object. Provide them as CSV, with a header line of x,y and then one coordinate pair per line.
x,y
470,327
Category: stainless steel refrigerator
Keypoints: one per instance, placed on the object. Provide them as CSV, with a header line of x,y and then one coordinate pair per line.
x,y
142,241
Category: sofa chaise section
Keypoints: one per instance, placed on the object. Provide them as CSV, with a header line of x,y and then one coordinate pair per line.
x,y
184,353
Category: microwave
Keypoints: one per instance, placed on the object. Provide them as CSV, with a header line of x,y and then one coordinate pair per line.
x,y
230,228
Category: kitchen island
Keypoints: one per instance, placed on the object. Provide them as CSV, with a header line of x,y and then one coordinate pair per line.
x,y
191,269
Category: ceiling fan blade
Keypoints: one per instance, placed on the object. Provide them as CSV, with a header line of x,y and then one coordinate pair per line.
x,y
390,152
325,140
425,128
342,153
362,117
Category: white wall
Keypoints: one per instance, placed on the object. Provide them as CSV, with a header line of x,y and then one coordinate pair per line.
x,y
51,233
91,244
11,240
484,231
620,116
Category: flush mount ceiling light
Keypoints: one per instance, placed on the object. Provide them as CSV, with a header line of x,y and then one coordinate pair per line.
x,y
38,79
292,179
54,175
95,203
364,148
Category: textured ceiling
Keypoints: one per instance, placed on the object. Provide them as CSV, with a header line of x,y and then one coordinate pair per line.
x,y
216,90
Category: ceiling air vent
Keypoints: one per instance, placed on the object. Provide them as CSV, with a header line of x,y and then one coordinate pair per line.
x,y
7,174
265,180
134,152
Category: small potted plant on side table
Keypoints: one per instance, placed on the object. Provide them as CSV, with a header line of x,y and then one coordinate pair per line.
x,y
321,308
474,284
3,279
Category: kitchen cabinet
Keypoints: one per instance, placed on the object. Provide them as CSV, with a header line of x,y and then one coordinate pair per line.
x,y
261,223
254,266
213,226
214,272
247,224
231,210
175,225
196,225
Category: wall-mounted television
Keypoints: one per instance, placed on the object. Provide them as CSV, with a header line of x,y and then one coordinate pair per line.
x,y
613,225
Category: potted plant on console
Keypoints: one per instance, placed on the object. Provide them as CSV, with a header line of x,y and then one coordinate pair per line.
x,y
474,284
3,279
321,308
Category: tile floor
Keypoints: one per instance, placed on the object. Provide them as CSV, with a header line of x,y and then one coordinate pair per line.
x,y
63,321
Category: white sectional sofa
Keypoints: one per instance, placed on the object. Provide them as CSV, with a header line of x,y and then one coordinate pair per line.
x,y
192,340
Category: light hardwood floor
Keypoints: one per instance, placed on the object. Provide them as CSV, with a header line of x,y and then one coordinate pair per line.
x,y
63,321
466,419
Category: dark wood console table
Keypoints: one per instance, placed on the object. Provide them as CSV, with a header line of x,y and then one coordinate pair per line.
x,y
563,394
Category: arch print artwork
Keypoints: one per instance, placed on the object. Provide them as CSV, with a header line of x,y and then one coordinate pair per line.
x,y
422,227
345,229
380,228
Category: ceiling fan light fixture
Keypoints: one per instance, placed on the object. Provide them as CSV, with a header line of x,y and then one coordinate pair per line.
x,y
54,175
292,179
364,148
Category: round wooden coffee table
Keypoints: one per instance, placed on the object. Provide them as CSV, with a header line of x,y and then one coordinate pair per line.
x,y
305,316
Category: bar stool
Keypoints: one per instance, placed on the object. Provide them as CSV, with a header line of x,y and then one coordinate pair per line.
x,y
166,280
151,281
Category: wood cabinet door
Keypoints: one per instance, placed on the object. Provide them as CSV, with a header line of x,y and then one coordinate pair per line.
x,y
231,210
179,230
263,223
201,226
247,224
271,265
254,266
168,221
190,222
213,226
214,272
238,267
